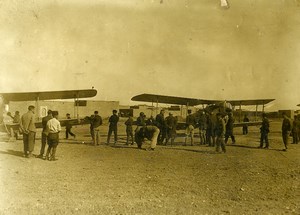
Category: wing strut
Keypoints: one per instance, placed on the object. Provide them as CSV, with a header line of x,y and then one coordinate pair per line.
x,y
256,106
152,109
37,106
240,115
77,105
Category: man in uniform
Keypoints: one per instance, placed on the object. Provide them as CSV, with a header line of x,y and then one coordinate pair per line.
x,y
129,131
190,123
202,128
16,119
286,130
150,121
210,130
295,129
27,125
96,121
245,127
52,130
220,132
113,126
229,129
44,135
171,123
150,132
69,127
160,123
141,120
264,131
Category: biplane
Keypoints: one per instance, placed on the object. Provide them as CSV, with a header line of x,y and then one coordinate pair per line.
x,y
44,95
212,106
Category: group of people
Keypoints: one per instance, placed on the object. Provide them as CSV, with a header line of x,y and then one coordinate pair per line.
x,y
161,129
50,133
96,122
213,130
288,128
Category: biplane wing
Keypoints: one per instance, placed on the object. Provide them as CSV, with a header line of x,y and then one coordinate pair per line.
x,y
172,100
194,102
250,102
213,104
48,95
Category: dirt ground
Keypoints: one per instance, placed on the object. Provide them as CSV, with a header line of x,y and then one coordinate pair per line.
x,y
103,179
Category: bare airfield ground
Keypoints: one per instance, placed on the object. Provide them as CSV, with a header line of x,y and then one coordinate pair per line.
x,y
171,180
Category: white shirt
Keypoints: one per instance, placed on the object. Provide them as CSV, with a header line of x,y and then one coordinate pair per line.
x,y
53,126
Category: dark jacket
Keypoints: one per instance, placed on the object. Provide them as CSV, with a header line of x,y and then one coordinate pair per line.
x,y
286,125
96,121
191,120
265,126
113,120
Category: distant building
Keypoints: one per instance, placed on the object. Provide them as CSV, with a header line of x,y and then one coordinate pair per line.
x,y
289,113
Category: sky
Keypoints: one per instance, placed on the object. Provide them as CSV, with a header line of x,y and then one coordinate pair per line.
x,y
122,48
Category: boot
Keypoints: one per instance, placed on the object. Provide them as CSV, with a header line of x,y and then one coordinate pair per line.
x,y
47,153
185,140
52,158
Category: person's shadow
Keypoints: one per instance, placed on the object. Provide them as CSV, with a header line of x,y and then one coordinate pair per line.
x,y
13,152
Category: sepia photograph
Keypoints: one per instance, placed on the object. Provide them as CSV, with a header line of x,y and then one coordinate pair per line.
x,y
149,107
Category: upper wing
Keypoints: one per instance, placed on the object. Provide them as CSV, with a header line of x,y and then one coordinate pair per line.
x,y
172,100
48,95
193,102
248,102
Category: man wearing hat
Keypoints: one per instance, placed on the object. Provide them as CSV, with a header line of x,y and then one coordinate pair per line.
x,y
286,130
190,123
220,132
171,123
264,131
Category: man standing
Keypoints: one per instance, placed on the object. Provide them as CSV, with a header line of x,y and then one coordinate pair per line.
x,y
210,130
202,128
220,131
27,125
190,123
69,127
113,126
295,129
129,131
52,130
264,131
16,119
160,123
96,121
229,129
171,123
44,135
245,127
286,130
